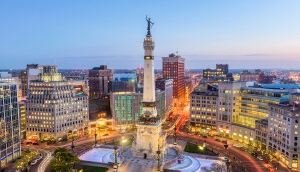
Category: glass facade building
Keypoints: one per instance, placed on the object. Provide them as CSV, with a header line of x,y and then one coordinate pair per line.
x,y
10,147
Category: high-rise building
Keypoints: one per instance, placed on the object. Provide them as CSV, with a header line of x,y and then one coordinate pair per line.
x,y
98,79
203,109
173,68
240,107
10,145
126,107
31,73
283,133
261,134
123,83
54,110
167,86
256,76
220,74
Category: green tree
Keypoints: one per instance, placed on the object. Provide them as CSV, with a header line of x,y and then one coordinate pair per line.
x,y
63,160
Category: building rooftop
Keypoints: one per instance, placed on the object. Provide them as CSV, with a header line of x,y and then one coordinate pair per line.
x,y
288,107
280,86
125,77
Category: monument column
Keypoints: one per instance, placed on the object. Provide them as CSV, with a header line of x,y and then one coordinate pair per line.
x,y
149,133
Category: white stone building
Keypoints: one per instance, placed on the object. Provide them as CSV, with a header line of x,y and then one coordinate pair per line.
x,y
54,110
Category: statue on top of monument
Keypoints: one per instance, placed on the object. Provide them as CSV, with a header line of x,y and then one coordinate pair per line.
x,y
150,24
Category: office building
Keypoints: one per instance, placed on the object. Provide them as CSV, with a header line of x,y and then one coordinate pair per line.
x,y
123,83
98,79
166,85
220,74
173,68
54,110
10,145
256,76
126,107
283,134
203,109
31,72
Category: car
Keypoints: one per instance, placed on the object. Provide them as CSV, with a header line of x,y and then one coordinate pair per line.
x,y
35,143
217,140
33,162
122,132
260,158
226,159
39,158
236,145
224,141
204,136
105,134
254,153
242,148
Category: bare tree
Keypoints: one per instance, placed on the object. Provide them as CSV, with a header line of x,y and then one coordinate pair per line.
x,y
214,167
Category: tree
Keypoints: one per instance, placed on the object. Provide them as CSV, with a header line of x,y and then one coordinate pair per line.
x,y
63,160
214,167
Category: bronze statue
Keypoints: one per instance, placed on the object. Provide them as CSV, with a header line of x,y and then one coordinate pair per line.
x,y
150,24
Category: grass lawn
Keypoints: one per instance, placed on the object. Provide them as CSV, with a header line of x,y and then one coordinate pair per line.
x,y
195,149
93,169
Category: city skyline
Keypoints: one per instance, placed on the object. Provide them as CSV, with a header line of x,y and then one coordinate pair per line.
x,y
72,34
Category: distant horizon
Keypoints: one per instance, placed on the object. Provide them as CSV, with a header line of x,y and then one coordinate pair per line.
x,y
161,69
79,34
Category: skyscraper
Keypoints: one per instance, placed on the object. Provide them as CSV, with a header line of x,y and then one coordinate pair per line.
x,y
31,73
173,68
10,147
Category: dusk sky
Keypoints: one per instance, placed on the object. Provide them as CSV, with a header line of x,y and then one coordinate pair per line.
x,y
83,34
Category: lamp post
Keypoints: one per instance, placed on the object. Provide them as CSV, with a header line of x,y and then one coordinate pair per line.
x,y
27,148
158,159
72,146
123,142
175,139
115,167
95,138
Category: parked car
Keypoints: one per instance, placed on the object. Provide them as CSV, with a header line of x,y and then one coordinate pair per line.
x,y
254,153
33,162
35,143
260,158
204,136
242,148
224,141
105,134
217,140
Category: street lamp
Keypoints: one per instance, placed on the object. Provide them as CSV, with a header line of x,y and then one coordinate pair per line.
x,y
175,139
158,159
72,147
95,138
115,167
123,142
27,148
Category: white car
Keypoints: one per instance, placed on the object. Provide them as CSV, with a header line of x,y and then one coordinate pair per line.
x,y
122,132
33,162
39,158
260,158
